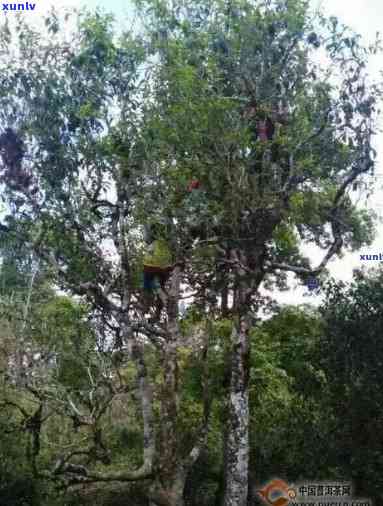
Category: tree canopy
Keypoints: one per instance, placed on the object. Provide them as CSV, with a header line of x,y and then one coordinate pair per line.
x,y
189,160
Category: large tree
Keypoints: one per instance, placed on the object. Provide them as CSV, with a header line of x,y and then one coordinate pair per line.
x,y
102,136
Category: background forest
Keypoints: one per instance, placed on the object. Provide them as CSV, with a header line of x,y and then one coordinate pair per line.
x,y
158,186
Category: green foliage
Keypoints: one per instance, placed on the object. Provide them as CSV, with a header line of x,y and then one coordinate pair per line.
x,y
286,387
17,486
114,130
350,353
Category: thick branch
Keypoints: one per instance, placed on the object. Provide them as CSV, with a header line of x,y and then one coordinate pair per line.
x,y
80,474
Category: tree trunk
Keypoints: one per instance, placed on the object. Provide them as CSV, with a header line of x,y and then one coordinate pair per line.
x,y
173,467
169,488
168,432
171,480
146,396
237,444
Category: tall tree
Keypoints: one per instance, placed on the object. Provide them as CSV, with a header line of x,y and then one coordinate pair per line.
x,y
228,72
216,125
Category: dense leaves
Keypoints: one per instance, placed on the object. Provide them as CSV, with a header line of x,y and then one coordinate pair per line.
x,y
214,133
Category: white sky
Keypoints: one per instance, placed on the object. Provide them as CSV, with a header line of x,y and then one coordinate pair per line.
x,y
365,17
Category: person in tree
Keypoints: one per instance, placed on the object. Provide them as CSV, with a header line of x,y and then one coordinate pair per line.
x,y
194,185
157,266
261,122
12,152
265,122
265,129
265,125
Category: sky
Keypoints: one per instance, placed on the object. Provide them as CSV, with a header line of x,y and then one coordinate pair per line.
x,y
118,7
366,18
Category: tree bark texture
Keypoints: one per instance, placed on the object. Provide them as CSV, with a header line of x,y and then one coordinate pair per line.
x,y
237,444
